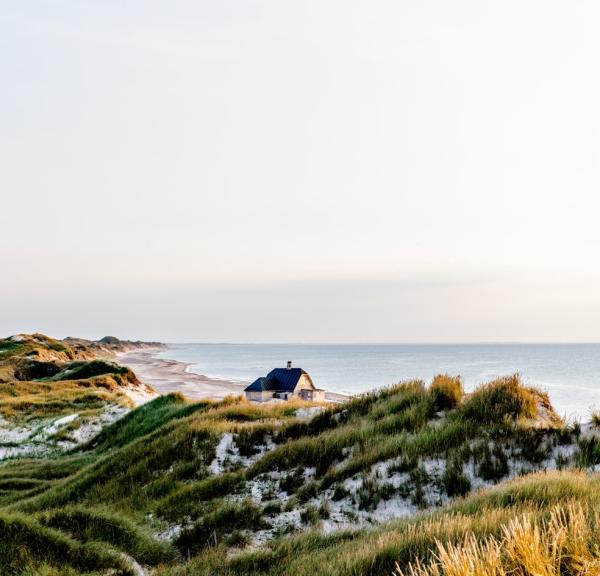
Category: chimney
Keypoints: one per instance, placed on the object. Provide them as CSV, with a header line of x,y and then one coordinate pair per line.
x,y
289,365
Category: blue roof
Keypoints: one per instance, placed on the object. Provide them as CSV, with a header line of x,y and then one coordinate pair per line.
x,y
279,379
259,385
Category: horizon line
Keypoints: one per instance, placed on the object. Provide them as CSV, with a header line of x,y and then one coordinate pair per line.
x,y
436,343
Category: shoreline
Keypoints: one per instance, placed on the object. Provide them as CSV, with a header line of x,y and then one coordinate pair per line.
x,y
167,376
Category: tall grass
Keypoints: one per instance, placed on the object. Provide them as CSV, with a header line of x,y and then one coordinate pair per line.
x,y
566,544
25,544
504,398
143,421
447,391
91,525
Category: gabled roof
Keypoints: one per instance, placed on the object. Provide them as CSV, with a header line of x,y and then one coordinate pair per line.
x,y
286,378
261,384
279,379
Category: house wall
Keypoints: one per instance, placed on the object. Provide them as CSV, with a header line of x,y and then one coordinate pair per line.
x,y
258,396
304,383
312,395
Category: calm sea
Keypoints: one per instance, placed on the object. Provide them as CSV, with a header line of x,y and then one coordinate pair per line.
x,y
570,373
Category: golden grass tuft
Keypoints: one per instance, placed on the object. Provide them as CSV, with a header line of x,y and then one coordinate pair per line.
x,y
563,545
446,390
503,398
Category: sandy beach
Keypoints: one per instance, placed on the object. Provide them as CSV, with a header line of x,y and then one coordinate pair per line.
x,y
167,376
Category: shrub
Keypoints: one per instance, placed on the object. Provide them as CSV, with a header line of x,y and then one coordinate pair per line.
x,y
248,441
369,494
446,391
237,538
291,481
272,507
454,480
308,491
309,515
419,479
532,444
589,452
324,510
339,492
492,463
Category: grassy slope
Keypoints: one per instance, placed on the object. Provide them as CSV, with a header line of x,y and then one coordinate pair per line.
x,y
44,378
377,551
153,470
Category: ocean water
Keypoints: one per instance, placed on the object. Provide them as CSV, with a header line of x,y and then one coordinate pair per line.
x,y
570,373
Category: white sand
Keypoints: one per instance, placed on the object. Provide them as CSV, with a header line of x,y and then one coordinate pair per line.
x,y
167,376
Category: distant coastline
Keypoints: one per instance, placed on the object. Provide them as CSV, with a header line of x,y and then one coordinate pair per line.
x,y
167,376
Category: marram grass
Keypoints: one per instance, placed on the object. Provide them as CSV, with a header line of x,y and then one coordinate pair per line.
x,y
566,543
152,471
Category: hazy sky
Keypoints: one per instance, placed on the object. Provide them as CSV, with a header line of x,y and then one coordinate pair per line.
x,y
300,170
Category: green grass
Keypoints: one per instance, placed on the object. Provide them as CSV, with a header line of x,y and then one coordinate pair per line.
x,y
25,545
504,398
92,525
25,401
212,528
82,370
143,421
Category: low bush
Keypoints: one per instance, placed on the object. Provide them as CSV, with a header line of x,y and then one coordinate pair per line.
x,y
454,480
492,463
589,452
309,515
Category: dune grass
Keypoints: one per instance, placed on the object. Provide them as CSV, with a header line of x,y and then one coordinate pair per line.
x,y
25,545
102,525
447,391
563,544
143,421
154,470
410,542
24,401
504,398
43,378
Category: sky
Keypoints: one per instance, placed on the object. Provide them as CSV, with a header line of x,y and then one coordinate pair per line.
x,y
300,171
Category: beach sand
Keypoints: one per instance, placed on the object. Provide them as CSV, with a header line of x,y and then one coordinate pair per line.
x,y
167,376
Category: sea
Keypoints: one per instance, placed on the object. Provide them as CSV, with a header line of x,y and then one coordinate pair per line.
x,y
570,373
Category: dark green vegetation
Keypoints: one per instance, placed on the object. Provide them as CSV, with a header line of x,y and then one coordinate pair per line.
x,y
210,478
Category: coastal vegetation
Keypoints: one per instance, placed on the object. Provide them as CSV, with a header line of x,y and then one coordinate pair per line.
x,y
56,394
414,479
